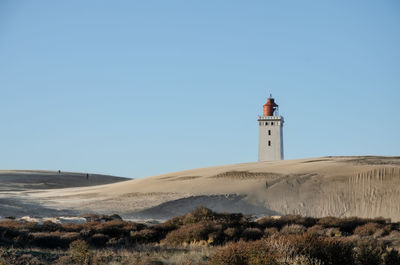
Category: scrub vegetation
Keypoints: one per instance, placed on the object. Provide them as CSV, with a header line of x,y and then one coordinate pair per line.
x,y
203,237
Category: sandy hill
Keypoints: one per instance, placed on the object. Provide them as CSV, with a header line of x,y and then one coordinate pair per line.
x,y
40,179
337,186
14,184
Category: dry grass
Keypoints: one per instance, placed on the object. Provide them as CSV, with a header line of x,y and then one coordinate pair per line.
x,y
247,175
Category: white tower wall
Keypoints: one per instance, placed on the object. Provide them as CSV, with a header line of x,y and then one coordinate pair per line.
x,y
270,141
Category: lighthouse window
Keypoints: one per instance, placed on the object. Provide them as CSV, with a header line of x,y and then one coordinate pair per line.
x,y
269,132
272,123
266,123
269,143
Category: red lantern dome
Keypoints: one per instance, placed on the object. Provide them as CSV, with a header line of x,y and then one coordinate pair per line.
x,y
270,107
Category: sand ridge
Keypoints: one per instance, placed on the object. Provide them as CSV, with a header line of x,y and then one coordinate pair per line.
x,y
366,186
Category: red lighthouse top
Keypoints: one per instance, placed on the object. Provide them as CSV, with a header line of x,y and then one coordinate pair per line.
x,y
270,106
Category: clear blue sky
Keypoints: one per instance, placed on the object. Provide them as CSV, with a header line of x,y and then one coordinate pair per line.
x,y
137,88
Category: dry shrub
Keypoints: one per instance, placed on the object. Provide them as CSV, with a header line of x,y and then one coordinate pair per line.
x,y
204,214
64,260
48,226
269,221
244,253
51,240
71,227
149,261
282,221
87,232
48,240
293,229
231,233
381,220
329,221
216,238
8,233
144,236
316,230
112,228
270,231
12,228
80,252
167,226
20,259
198,215
368,253
251,234
333,231
191,233
101,217
99,240
367,230
22,240
133,226
392,257
326,250
347,224
298,219
381,232
70,236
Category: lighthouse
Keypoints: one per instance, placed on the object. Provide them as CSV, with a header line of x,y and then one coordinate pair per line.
x,y
270,139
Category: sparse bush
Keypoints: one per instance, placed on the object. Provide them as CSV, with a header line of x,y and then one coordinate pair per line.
x,y
333,231
80,252
149,261
49,226
304,260
71,227
251,234
368,254
244,253
269,221
101,217
286,220
391,258
144,236
327,250
112,228
269,231
347,224
384,231
198,215
63,260
232,253
293,229
231,233
367,230
99,240
70,236
204,214
191,233
19,225
316,230
48,240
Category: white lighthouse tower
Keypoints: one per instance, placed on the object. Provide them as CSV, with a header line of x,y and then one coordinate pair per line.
x,y
270,141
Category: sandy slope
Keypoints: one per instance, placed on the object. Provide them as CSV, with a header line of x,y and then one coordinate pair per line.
x,y
337,186
14,184
40,179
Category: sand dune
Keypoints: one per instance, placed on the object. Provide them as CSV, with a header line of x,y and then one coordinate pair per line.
x,y
337,186
40,179
15,184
